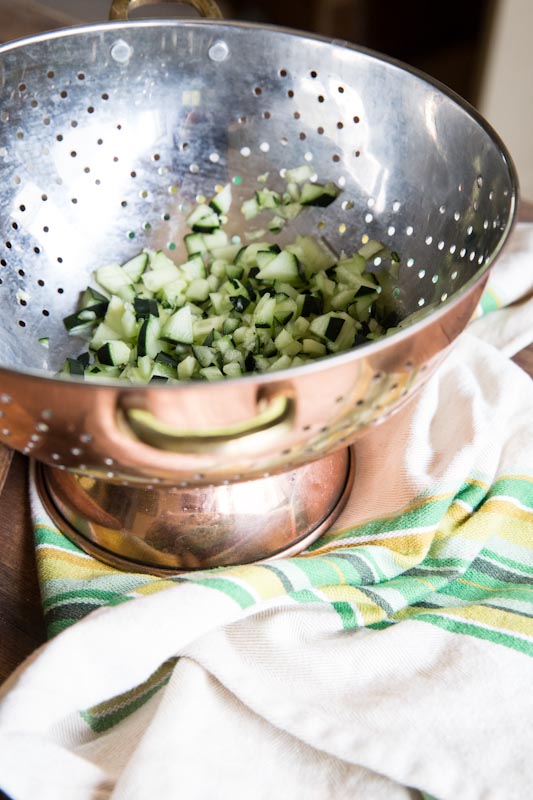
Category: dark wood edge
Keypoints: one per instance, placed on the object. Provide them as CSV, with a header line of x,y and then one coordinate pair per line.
x,y
6,456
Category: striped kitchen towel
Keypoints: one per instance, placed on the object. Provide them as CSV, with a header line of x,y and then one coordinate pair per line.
x,y
392,659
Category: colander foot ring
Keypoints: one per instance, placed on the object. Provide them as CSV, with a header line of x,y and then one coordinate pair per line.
x,y
166,530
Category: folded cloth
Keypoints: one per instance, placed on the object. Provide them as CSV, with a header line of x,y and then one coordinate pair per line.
x,y
392,659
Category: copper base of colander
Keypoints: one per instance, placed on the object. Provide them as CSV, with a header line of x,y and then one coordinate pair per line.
x,y
163,530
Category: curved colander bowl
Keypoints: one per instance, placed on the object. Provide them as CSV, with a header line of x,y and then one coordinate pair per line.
x,y
110,133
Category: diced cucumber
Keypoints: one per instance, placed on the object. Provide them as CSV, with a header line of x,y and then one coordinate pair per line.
x,y
178,327
115,280
83,321
276,224
232,370
159,260
197,290
355,278
102,334
148,342
114,353
285,309
231,309
186,368
156,279
211,373
283,362
173,293
313,256
300,327
145,365
292,194
250,208
230,325
227,253
135,267
298,174
194,243
203,219
328,326
342,300
92,296
317,194
218,238
313,348
247,256
290,210
114,314
286,344
203,327
213,284
309,305
266,198
193,268
234,271
252,235
370,249
221,202
99,371
285,267
264,312
145,307
264,257
207,224
204,355
73,366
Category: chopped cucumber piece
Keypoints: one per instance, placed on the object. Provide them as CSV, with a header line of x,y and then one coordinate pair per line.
x,y
194,243
211,373
135,267
284,267
250,208
156,279
186,368
115,280
298,174
316,194
203,219
276,224
370,249
221,202
178,327
73,366
114,353
266,198
145,307
148,341
313,256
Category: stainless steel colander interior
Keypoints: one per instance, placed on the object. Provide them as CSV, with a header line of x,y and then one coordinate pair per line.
x,y
108,136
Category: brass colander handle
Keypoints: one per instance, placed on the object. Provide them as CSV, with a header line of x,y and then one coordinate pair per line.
x,y
269,426
120,9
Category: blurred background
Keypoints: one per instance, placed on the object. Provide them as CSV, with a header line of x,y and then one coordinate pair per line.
x,y
479,48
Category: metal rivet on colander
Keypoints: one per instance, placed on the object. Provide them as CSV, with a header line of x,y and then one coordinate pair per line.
x,y
121,51
218,51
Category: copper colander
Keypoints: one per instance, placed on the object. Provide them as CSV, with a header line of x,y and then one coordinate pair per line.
x,y
108,134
